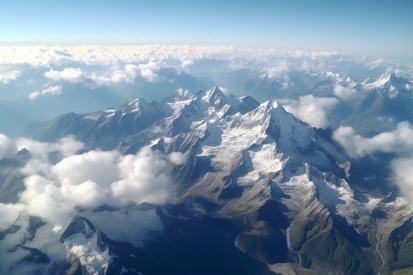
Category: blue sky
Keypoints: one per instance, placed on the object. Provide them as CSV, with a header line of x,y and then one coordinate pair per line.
x,y
355,27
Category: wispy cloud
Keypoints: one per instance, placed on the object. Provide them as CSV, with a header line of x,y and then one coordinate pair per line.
x,y
9,76
52,90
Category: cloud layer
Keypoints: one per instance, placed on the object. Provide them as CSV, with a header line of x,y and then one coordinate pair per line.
x,y
46,56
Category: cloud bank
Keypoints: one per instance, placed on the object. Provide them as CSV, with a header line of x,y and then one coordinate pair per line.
x,y
46,56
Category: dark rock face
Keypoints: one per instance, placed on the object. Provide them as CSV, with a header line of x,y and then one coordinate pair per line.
x,y
12,229
79,225
35,256
34,224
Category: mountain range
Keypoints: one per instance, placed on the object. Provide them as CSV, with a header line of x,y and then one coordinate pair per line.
x,y
258,192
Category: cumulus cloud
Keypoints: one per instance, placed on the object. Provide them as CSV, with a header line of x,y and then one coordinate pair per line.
x,y
9,213
178,158
125,75
34,95
52,90
310,109
8,148
68,74
398,141
149,71
57,188
128,74
345,93
142,179
403,175
9,76
96,166
65,147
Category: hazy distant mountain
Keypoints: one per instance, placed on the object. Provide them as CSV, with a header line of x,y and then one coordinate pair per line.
x,y
382,103
83,97
264,86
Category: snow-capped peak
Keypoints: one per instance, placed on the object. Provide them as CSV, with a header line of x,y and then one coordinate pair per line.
x,y
79,225
136,105
215,97
178,95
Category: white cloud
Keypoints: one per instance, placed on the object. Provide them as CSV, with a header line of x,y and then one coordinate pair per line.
x,y
398,141
96,166
345,93
9,213
186,63
9,76
65,147
34,95
52,90
68,74
55,190
142,178
178,158
146,60
310,109
149,71
46,56
8,148
126,75
403,175
279,71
